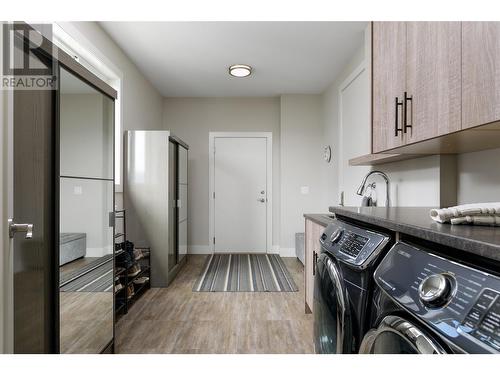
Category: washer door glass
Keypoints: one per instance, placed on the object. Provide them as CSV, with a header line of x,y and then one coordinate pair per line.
x,y
392,343
396,335
332,323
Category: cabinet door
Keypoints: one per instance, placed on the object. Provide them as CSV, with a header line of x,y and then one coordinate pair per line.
x,y
433,79
389,78
312,245
308,260
480,73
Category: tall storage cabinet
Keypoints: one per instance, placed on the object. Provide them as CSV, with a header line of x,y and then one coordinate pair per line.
x,y
156,188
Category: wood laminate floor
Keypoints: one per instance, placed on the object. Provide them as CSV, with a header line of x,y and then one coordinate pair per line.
x,y
177,320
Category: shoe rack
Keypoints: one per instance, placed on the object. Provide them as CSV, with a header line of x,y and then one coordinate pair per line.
x,y
129,277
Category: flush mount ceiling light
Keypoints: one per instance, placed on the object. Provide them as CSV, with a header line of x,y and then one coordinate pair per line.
x,y
240,70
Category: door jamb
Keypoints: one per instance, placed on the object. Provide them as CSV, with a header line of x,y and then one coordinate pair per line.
x,y
269,182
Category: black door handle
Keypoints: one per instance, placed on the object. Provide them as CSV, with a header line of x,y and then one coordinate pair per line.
x,y
407,99
315,259
397,129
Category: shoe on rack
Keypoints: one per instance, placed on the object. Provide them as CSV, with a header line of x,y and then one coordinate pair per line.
x,y
124,260
141,280
138,254
144,250
130,291
118,287
134,270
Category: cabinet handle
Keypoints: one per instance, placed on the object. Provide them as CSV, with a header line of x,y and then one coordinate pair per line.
x,y
315,257
397,129
405,112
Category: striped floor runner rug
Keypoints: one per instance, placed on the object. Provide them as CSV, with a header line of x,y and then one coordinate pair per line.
x,y
245,273
97,276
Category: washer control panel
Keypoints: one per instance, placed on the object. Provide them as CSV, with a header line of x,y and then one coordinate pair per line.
x,y
461,303
353,245
483,319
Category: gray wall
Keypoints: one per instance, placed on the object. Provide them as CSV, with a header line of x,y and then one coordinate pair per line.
x,y
301,159
192,119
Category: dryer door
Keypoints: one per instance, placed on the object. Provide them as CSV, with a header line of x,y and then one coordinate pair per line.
x,y
332,320
396,335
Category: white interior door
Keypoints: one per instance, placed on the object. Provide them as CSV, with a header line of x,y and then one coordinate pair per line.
x,y
355,132
240,200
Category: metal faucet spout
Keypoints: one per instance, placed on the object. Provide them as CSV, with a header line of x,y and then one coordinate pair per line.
x,y
361,188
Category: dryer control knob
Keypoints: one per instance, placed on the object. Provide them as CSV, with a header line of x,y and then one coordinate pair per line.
x,y
336,235
435,290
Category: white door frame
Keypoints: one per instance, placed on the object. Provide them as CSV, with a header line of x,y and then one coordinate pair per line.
x,y
269,182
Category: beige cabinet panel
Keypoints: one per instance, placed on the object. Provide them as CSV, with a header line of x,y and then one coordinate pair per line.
x,y
480,73
388,83
312,247
433,79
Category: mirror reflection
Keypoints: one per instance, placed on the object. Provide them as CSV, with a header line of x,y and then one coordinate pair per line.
x,y
86,230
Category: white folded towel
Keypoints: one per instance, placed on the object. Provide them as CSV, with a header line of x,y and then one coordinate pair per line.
x,y
478,213
492,220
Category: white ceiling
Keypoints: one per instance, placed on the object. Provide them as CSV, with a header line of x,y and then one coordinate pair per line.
x,y
190,59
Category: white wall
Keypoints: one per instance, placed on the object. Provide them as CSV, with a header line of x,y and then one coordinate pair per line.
x,y
479,177
331,130
191,119
301,157
141,103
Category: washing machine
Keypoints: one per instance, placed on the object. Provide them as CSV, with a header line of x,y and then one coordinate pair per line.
x,y
343,279
426,303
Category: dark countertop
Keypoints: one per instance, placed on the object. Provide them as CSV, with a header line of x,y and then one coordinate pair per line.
x,y
416,221
321,219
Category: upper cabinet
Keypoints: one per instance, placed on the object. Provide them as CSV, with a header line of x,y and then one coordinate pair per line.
x,y
389,76
435,89
432,80
480,73
416,82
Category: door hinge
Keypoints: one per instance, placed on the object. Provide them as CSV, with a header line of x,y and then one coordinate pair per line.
x,y
214,240
214,194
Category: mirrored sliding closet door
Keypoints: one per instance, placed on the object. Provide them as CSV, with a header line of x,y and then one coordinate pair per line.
x,y
86,202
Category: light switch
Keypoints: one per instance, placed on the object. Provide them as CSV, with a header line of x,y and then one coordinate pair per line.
x,y
77,190
304,190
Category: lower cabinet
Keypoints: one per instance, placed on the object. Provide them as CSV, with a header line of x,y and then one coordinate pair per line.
x,y
312,248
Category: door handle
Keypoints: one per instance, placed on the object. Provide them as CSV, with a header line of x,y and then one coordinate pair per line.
x,y
315,259
407,99
397,129
262,200
17,228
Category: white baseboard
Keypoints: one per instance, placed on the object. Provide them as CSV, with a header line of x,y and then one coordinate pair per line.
x,y
199,249
283,252
275,249
97,252
287,252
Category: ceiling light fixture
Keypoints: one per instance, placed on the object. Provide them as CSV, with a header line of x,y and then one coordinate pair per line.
x,y
240,70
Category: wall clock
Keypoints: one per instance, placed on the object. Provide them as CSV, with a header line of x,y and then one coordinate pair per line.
x,y
327,154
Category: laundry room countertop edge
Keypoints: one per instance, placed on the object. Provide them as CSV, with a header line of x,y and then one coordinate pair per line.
x,y
321,219
482,241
